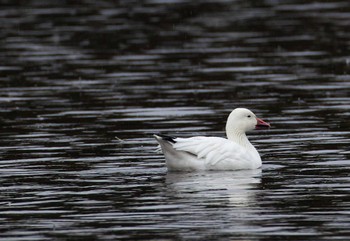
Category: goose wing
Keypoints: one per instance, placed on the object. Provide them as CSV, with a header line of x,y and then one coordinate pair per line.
x,y
216,152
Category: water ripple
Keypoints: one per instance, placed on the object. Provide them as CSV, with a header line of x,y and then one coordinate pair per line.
x,y
85,85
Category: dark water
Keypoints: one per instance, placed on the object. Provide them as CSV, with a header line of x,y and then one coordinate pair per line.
x,y
84,84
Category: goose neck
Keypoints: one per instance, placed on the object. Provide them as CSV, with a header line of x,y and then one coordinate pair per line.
x,y
238,137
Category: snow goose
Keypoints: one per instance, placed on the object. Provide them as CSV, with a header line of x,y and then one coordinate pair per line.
x,y
215,153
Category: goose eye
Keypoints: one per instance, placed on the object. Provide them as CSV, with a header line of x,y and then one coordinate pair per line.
x,y
249,116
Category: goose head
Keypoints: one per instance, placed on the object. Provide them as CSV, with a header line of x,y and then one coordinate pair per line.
x,y
242,120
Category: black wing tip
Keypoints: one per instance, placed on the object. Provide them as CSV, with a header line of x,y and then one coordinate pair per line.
x,y
167,138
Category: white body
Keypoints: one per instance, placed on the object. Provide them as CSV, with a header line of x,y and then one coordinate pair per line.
x,y
215,153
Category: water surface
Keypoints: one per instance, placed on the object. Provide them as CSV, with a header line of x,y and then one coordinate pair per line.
x,y
83,86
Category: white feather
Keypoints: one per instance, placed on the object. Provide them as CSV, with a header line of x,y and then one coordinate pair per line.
x,y
214,153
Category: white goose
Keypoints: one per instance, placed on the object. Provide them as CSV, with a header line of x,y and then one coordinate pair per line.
x,y
215,153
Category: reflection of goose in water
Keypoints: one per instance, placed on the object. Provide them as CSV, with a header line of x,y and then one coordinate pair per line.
x,y
232,188
215,153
